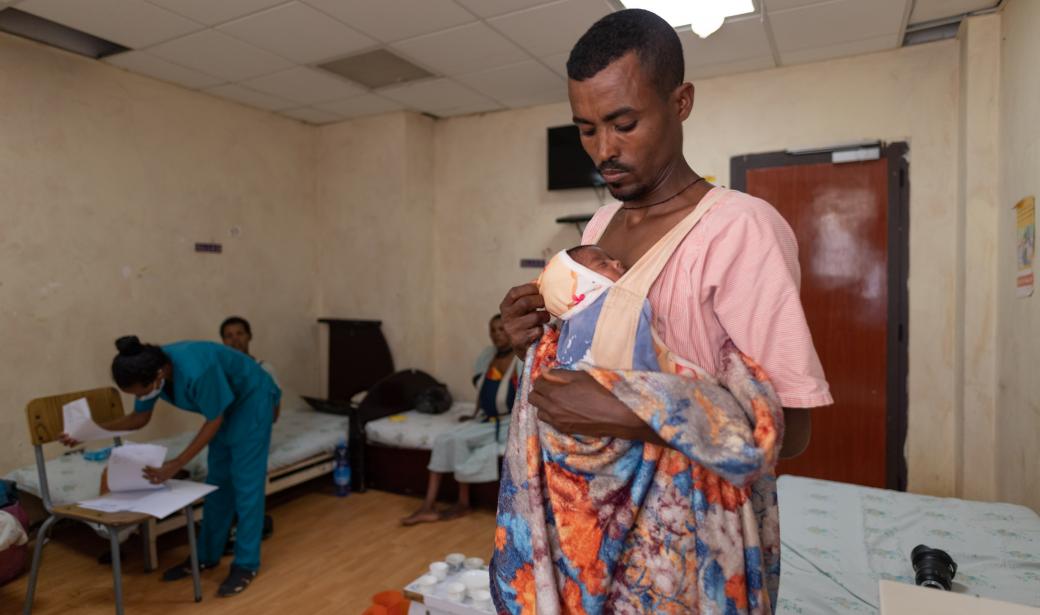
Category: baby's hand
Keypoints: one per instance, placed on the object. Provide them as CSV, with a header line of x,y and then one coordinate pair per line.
x,y
463,419
66,440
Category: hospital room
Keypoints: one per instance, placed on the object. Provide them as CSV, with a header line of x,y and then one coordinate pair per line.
x,y
453,307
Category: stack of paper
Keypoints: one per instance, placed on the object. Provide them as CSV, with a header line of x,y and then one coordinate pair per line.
x,y
172,496
126,466
132,492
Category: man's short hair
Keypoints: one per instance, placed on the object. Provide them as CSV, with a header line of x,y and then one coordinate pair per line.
x,y
236,320
650,37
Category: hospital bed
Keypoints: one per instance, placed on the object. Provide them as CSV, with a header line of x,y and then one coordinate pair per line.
x,y
302,445
397,451
840,540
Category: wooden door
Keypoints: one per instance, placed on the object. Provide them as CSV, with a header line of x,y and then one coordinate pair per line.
x,y
850,224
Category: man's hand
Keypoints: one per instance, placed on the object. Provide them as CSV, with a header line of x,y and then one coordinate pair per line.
x,y
574,403
523,315
158,476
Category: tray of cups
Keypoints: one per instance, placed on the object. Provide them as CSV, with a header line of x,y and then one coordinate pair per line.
x,y
458,585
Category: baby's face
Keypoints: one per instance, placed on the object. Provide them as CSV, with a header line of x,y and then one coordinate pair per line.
x,y
597,259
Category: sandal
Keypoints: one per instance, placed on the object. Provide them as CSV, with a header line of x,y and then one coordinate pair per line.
x,y
237,580
183,570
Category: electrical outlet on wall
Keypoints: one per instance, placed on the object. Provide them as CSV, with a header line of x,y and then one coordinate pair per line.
x,y
212,248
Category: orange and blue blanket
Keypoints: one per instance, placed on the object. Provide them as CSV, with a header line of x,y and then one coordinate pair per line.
x,y
604,525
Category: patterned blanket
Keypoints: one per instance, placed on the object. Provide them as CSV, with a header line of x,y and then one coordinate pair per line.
x,y
605,525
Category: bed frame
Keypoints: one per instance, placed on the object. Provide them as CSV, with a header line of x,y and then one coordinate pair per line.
x,y
403,470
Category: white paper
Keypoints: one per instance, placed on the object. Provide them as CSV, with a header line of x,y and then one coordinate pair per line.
x,y
126,466
172,496
80,426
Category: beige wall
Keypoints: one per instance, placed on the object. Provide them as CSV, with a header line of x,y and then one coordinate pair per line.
x,y
1018,416
979,209
492,207
375,206
108,181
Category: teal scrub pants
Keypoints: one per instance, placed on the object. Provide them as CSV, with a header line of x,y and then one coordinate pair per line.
x,y
238,468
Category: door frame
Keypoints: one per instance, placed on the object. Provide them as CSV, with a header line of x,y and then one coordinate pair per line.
x,y
896,399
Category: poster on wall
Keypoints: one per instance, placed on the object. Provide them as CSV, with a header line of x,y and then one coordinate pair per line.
x,y
1025,247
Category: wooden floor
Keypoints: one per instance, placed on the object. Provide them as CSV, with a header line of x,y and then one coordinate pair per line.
x,y
327,555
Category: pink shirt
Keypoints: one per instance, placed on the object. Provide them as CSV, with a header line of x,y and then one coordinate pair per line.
x,y
736,276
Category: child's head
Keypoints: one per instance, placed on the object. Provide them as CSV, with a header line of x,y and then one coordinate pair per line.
x,y
597,259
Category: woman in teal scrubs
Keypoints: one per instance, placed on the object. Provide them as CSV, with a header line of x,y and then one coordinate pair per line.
x,y
237,398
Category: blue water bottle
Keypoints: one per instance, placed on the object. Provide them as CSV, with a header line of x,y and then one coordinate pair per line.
x,y
341,471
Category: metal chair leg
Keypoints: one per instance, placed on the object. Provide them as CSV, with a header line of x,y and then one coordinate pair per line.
x,y
151,559
117,570
193,552
41,537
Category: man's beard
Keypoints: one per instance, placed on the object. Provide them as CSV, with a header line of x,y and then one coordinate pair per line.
x,y
632,193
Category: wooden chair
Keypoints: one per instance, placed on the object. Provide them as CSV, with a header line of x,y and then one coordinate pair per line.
x,y
45,425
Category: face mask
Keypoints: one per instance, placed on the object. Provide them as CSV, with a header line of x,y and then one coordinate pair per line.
x,y
155,393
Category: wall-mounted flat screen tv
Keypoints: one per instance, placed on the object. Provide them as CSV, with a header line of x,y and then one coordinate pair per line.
x,y
569,165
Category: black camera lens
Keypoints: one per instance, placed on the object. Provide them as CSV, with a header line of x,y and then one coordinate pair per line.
x,y
933,567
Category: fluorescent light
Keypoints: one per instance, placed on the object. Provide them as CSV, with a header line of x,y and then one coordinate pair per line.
x,y
703,16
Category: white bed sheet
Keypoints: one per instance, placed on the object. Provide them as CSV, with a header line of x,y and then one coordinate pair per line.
x,y
839,540
299,433
416,430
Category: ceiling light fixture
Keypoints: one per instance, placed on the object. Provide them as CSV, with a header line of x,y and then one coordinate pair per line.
x,y
703,16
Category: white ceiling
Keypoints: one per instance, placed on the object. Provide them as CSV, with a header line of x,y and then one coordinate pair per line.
x,y
486,54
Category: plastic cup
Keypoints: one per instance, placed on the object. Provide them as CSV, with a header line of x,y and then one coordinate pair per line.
x,y
455,560
455,591
439,570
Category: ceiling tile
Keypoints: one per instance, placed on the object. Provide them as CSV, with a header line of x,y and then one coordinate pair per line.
x,y
534,99
816,54
779,5
515,85
928,10
491,8
705,71
394,20
312,116
298,32
464,49
558,63
483,107
250,97
219,54
435,95
304,85
213,12
835,23
366,104
131,23
552,28
737,39
153,66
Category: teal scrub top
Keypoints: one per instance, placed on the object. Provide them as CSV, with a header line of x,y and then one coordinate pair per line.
x,y
208,378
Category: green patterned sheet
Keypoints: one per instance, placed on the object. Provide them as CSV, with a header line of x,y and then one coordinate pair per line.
x,y
299,433
839,540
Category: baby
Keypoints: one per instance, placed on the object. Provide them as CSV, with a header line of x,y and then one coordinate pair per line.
x,y
574,286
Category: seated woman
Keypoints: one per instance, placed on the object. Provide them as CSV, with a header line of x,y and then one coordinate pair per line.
x,y
471,453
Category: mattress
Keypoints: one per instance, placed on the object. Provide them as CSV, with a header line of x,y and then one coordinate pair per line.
x,y
839,540
416,430
299,433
